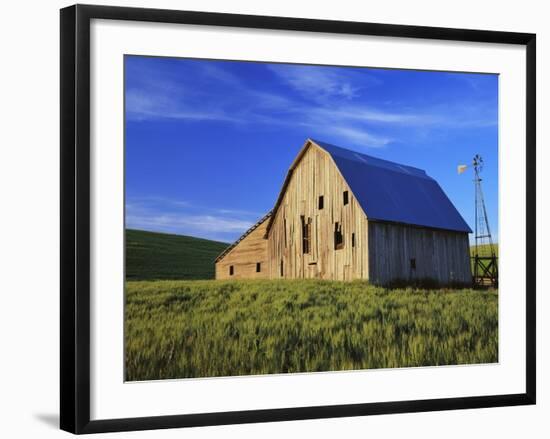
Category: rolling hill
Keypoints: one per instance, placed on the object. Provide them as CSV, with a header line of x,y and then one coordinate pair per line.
x,y
151,256
484,250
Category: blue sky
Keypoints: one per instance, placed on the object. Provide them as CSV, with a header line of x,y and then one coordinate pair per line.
x,y
208,143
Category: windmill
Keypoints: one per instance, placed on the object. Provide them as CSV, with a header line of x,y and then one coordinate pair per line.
x,y
485,261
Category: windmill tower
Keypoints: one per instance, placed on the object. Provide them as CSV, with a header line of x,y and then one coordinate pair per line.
x,y
484,259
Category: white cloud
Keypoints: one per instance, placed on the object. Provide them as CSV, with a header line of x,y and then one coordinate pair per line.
x,y
358,136
367,114
163,214
316,82
458,116
166,204
142,105
216,73
188,224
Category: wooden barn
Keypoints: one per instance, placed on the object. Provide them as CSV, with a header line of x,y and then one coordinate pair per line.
x,y
343,215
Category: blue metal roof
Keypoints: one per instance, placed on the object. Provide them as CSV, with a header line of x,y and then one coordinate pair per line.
x,y
388,191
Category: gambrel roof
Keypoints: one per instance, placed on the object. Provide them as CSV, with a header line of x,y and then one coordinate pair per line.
x,y
388,191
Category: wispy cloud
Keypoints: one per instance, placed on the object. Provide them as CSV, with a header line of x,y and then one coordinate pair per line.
x,y
136,202
327,101
203,225
367,114
358,136
318,83
154,104
163,214
166,203
218,74
478,83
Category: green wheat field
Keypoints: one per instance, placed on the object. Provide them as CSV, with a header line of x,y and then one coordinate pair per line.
x,y
183,329
178,326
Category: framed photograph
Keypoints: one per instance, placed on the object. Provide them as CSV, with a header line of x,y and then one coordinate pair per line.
x,y
274,218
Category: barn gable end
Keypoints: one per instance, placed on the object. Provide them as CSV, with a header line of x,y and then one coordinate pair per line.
x,y
299,210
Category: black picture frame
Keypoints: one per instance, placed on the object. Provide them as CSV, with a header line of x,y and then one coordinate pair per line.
x,y
75,217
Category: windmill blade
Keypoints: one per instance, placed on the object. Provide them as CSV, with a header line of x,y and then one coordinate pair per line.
x,y
461,168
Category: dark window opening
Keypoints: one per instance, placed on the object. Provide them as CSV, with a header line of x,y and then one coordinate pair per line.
x,y
338,237
231,270
413,264
353,239
306,234
321,202
281,268
346,197
258,267
284,225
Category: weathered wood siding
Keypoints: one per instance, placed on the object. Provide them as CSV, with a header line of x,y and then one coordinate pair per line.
x,y
440,255
316,175
244,257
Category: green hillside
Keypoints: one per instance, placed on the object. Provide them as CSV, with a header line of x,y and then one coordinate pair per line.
x,y
152,256
484,249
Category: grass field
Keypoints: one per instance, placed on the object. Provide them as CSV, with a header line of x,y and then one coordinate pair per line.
x,y
177,329
152,255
